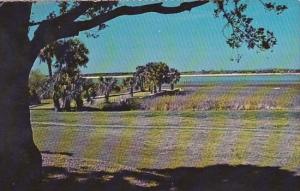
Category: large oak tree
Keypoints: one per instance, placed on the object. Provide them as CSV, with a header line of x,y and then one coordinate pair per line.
x,y
20,160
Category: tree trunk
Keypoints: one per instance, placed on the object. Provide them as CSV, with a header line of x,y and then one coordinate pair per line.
x,y
131,91
79,102
49,69
56,103
142,85
66,103
20,160
159,87
155,89
172,86
106,98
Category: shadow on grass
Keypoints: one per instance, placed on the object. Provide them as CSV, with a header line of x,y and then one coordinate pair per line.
x,y
217,177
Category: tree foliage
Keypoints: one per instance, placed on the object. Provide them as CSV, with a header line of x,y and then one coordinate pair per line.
x,y
106,86
130,82
154,74
241,26
35,83
66,56
173,77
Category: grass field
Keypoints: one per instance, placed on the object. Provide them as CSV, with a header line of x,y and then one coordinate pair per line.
x,y
157,150
184,138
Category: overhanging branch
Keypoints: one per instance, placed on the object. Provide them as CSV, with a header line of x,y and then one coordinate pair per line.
x,y
74,28
70,16
66,26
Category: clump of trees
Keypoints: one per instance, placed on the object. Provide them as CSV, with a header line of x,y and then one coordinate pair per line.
x,y
66,57
153,75
131,83
106,86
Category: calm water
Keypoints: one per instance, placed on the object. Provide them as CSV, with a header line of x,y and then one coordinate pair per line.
x,y
256,79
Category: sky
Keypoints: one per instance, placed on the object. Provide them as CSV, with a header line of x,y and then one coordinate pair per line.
x,y
188,41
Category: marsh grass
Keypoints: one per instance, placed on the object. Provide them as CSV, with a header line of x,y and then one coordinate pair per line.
x,y
235,97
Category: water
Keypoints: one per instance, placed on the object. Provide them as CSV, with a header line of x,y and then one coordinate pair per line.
x,y
241,79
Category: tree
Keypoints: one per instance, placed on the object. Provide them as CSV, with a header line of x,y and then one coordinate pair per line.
x,y
131,83
89,89
140,76
68,87
19,155
69,56
162,71
46,55
156,74
173,77
106,86
36,82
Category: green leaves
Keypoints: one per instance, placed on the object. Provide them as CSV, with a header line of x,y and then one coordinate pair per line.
x,y
242,31
274,7
69,54
156,74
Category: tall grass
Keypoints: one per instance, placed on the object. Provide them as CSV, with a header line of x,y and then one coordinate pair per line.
x,y
237,97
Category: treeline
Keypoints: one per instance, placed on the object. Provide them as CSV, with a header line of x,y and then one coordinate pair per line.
x,y
67,85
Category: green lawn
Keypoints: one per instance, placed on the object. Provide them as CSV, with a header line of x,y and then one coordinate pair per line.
x,y
139,139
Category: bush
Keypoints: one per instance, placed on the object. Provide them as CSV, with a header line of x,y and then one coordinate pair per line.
x,y
126,105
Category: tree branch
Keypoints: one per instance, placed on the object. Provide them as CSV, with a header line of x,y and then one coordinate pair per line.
x,y
126,10
70,16
65,26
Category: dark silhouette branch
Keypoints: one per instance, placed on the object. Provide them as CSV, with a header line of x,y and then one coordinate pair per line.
x,y
126,10
70,16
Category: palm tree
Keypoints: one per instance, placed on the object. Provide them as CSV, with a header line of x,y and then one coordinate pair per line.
x,y
151,76
173,77
131,83
157,73
89,90
106,85
162,74
69,56
46,55
140,77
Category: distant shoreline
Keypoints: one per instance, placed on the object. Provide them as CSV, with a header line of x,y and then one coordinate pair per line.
x,y
237,74
205,75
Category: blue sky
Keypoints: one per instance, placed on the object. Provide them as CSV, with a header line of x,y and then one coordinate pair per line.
x,y
187,41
